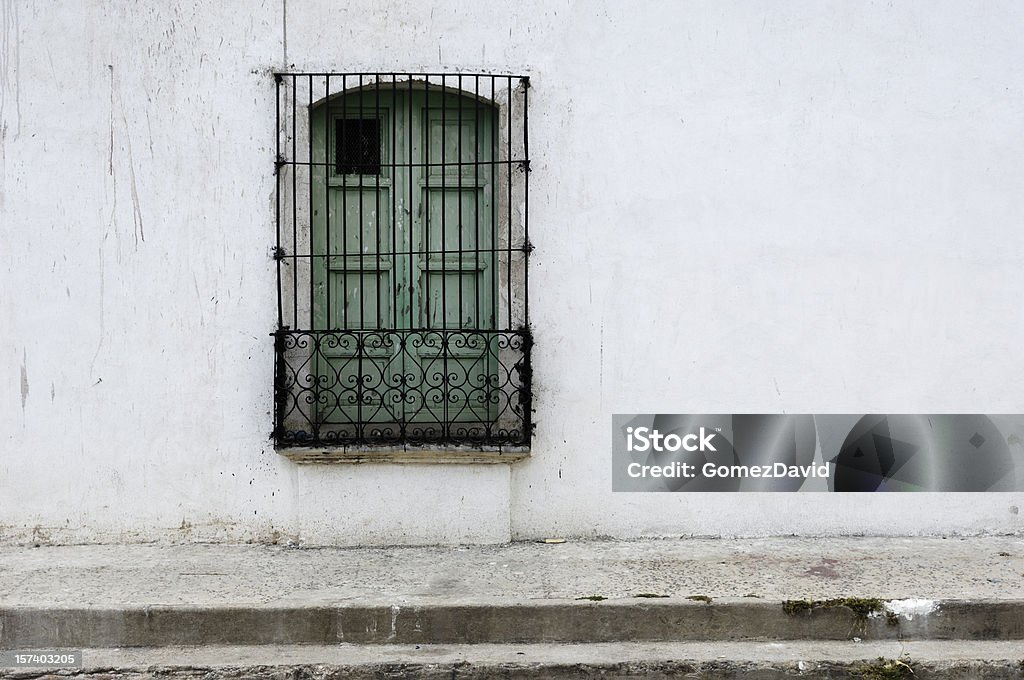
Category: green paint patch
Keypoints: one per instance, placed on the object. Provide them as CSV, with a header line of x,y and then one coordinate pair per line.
x,y
699,598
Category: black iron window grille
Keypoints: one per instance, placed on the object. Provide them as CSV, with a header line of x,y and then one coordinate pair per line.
x,y
402,247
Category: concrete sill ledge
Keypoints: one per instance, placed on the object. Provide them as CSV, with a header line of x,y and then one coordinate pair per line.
x,y
409,454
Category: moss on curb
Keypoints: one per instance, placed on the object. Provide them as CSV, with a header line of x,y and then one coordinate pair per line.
x,y
887,669
862,607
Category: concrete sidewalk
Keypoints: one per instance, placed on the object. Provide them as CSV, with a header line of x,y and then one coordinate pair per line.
x,y
764,608
771,570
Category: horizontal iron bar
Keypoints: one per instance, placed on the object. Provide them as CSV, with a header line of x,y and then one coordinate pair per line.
x,y
306,74
515,161
377,331
525,248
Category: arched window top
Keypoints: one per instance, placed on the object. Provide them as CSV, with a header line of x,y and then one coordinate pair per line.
x,y
479,90
371,90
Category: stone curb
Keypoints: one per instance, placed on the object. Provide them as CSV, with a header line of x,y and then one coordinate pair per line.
x,y
532,622
655,670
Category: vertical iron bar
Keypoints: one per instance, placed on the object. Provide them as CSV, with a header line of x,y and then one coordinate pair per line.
x,y
527,246
326,297
280,399
378,321
483,340
295,210
393,176
508,244
412,279
327,203
278,167
312,254
526,374
477,129
343,169
278,349
394,199
312,278
361,227
496,173
343,172
493,253
426,203
310,235
360,344
458,197
525,389
381,158
444,273
343,138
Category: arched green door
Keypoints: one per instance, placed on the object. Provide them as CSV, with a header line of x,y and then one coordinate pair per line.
x,y
404,259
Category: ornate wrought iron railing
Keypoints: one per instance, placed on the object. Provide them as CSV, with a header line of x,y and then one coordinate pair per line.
x,y
402,248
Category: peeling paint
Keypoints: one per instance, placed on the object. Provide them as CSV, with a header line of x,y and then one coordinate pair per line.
x,y
284,34
24,380
10,68
102,334
395,609
10,83
117,106
110,125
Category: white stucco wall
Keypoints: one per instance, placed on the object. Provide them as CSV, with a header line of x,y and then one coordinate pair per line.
x,y
798,207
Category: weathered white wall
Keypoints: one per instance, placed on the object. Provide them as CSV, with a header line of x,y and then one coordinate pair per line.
x,y
737,207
